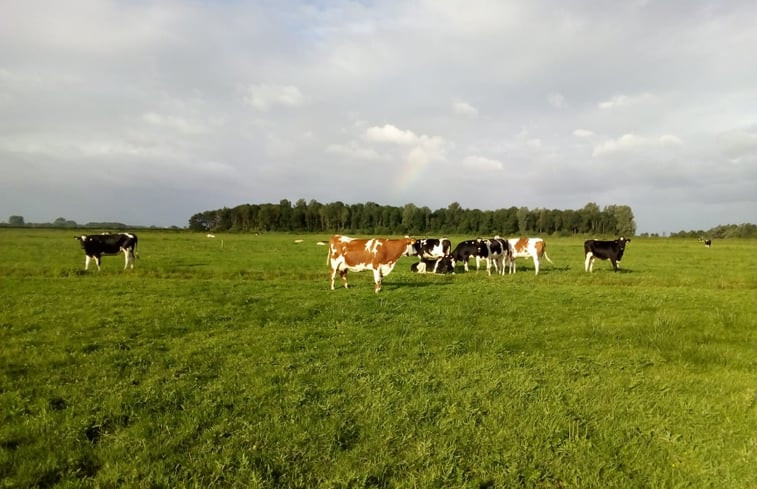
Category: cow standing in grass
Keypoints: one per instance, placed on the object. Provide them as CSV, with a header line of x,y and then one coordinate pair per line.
x,y
376,254
97,245
534,248
604,250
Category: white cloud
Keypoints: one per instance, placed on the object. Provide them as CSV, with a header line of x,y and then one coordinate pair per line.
x,y
176,123
463,108
625,101
264,96
628,143
556,100
390,134
670,140
482,163
354,150
583,133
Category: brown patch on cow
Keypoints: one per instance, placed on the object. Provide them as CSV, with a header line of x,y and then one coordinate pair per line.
x,y
540,246
521,245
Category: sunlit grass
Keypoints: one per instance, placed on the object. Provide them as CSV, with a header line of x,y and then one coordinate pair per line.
x,y
235,366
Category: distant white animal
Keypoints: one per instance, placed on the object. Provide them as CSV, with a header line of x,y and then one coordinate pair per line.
x,y
211,235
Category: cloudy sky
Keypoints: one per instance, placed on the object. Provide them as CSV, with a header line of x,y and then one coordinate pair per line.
x,y
147,112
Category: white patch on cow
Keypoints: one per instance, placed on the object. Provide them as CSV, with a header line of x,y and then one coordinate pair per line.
x,y
589,263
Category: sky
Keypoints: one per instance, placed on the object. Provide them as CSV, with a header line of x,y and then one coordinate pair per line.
x,y
148,112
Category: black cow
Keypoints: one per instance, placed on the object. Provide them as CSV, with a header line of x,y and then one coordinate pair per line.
x,y
604,250
465,250
97,245
444,264
707,243
432,248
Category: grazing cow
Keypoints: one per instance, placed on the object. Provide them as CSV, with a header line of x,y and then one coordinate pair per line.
x,y
445,264
377,254
534,248
604,250
432,247
707,243
97,245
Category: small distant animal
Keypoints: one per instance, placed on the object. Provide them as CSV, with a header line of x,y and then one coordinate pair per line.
x,y
604,250
445,264
298,241
379,255
97,245
211,235
707,243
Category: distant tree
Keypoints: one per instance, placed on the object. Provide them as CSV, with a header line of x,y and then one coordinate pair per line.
x,y
16,220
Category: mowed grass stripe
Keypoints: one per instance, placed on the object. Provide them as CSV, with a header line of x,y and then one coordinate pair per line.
x,y
235,366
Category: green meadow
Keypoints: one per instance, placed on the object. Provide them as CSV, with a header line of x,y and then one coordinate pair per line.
x,y
229,363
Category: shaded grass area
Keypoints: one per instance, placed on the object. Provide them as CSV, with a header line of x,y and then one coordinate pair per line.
x,y
168,378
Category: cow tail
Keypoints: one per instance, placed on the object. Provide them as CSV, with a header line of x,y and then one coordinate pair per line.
x,y
545,254
136,241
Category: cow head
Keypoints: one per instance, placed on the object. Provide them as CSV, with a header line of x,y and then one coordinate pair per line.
x,y
410,250
82,239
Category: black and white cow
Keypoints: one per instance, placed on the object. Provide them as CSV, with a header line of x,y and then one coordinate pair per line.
x,y
497,253
445,264
97,245
493,251
465,250
432,249
604,250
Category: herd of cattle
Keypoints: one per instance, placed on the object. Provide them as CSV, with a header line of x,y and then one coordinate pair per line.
x,y
380,255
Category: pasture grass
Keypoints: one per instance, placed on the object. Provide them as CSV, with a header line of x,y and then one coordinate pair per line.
x,y
228,362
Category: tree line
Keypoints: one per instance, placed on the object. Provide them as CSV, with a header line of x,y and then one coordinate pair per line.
x,y
372,218
746,230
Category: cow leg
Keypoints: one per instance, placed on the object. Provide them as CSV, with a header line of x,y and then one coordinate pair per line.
x,y
587,262
343,274
614,265
333,276
377,277
97,262
536,265
86,262
126,258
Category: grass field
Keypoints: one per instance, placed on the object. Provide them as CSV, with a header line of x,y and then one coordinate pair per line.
x,y
228,362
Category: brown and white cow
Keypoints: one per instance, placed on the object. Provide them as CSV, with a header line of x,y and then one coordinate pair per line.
x,y
534,248
377,254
